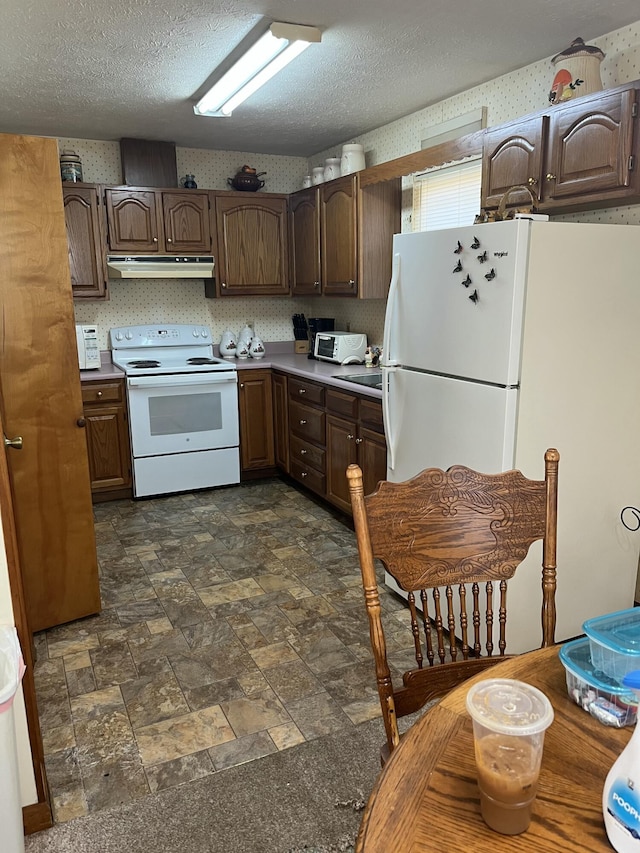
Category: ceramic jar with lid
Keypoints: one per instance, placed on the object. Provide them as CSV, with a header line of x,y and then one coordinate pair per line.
x,y
352,159
317,175
256,348
332,168
70,166
228,344
306,182
242,350
577,72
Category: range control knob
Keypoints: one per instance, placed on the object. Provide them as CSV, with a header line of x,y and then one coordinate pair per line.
x,y
195,333
205,333
118,336
129,336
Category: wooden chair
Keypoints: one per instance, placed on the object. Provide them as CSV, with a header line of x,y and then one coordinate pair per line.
x,y
450,532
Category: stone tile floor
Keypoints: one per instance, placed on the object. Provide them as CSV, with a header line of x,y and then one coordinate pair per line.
x,y
233,625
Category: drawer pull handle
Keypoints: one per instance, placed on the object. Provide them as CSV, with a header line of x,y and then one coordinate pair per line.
x,y
303,473
550,177
359,440
303,453
99,394
302,422
351,282
349,437
81,422
302,391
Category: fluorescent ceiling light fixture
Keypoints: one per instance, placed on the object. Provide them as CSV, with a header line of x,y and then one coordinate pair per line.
x,y
270,54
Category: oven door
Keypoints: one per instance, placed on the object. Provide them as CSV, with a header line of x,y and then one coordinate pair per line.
x,y
183,413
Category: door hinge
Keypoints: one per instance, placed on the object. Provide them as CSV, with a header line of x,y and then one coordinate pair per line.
x,y
632,162
634,109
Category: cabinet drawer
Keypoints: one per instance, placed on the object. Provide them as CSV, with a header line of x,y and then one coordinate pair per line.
x,y
307,454
306,422
103,392
308,392
342,403
371,414
308,476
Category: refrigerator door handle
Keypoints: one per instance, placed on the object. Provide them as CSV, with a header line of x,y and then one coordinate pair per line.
x,y
391,304
386,419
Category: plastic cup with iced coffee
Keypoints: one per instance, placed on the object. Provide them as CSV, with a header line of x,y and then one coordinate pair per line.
x,y
509,722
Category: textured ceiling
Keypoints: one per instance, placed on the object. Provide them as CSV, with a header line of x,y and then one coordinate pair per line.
x,y
105,69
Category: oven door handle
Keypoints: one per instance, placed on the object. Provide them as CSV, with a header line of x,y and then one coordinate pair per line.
x,y
183,380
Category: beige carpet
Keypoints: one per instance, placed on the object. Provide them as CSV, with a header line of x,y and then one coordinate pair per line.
x,y
307,798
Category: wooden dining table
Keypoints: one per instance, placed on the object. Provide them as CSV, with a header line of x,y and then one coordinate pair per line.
x,y
426,798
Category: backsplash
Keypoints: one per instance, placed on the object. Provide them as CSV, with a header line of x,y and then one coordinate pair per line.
x,y
506,98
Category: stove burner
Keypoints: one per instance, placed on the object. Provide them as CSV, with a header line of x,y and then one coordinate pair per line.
x,y
200,360
143,363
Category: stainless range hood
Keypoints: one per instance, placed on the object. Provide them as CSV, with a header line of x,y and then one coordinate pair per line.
x,y
148,266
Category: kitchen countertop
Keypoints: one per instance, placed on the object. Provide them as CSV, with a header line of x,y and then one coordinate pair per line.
x,y
287,362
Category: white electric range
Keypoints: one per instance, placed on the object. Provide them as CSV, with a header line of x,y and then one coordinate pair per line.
x,y
183,408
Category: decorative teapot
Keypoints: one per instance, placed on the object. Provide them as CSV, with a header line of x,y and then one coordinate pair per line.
x,y
247,179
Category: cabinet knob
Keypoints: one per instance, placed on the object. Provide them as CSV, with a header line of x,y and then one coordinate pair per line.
x,y
303,473
15,443
302,391
351,282
550,177
349,437
316,284
99,394
223,284
155,239
242,384
359,440
303,453
81,422
302,422
169,240
532,182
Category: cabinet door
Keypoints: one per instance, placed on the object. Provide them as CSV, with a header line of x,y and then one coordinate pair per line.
x,y
372,458
341,452
590,146
305,242
256,419
338,229
512,156
280,421
85,238
133,218
252,242
107,435
186,221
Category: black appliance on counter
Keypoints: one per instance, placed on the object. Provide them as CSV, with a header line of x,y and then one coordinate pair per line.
x,y
318,324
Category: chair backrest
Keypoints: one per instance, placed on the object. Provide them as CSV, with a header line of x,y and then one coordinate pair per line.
x,y
451,539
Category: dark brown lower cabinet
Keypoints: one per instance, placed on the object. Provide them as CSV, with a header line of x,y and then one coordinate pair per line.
x,y
255,400
107,430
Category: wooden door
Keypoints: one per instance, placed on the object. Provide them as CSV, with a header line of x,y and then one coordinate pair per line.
x,y
590,147
40,389
338,230
134,221
305,242
280,421
37,816
341,452
186,221
252,256
86,238
256,419
512,156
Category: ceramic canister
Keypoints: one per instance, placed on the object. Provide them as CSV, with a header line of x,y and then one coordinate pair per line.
x,y
352,159
70,166
317,175
306,182
331,168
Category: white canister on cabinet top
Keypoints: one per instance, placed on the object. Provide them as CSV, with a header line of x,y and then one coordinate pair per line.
x,y
352,159
317,175
306,182
332,168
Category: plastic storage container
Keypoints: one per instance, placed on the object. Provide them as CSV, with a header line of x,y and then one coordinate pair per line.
x,y
603,697
615,642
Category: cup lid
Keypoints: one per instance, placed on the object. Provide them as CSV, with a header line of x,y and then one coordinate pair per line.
x,y
509,707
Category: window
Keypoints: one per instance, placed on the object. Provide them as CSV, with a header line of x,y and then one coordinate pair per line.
x,y
448,196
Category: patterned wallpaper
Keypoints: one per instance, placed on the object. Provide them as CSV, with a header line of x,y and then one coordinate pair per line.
x,y
506,98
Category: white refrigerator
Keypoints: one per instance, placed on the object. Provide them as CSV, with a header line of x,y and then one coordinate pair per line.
x,y
507,338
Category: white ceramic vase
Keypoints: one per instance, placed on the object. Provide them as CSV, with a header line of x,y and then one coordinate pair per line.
x,y
352,159
228,344
256,350
246,334
242,350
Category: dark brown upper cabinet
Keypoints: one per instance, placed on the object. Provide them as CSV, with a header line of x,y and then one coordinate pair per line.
x,y
84,219
304,214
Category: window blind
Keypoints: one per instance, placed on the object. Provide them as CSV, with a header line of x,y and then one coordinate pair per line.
x,y
447,197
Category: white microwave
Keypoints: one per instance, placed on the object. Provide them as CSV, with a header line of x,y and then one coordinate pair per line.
x,y
88,352
340,347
